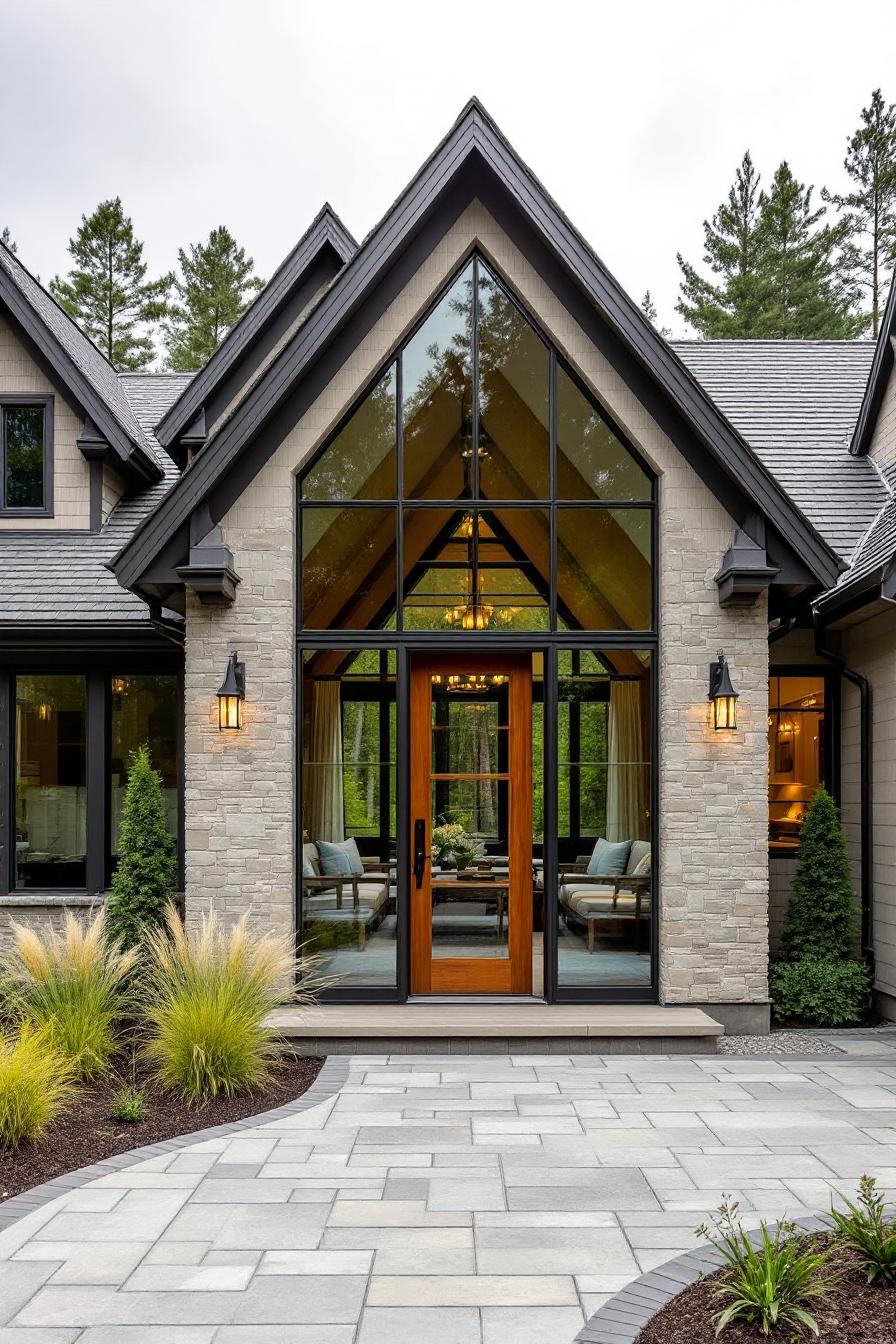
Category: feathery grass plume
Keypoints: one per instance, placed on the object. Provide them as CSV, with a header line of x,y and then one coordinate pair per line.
x,y
74,984
35,1082
208,992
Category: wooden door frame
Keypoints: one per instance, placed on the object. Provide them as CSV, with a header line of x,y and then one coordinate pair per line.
x,y
473,975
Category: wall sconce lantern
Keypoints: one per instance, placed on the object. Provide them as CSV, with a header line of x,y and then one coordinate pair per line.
x,y
231,695
722,695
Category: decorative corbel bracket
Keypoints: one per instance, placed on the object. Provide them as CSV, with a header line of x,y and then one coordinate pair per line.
x,y
745,573
209,572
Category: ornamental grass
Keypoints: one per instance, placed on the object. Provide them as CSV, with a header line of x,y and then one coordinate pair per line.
x,y
35,1082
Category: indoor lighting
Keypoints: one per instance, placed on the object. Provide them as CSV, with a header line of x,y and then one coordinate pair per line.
x,y
722,695
231,695
470,683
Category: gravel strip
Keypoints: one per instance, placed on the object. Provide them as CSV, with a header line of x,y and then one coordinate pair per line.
x,y
779,1043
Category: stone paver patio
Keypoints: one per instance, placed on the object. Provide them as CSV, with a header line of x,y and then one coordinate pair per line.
x,y
445,1200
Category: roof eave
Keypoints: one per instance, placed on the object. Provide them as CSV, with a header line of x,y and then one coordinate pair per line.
x,y
881,368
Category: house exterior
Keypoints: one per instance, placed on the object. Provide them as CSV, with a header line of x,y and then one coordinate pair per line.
x,y
446,535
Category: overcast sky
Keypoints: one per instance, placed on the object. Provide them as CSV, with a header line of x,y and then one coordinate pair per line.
x,y
251,114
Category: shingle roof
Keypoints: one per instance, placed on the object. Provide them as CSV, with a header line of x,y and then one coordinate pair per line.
x,y
796,403
89,362
62,577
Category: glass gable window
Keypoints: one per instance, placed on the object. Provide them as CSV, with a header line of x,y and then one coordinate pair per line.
x,y
23,455
435,504
797,755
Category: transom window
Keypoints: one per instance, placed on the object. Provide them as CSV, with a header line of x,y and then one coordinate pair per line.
x,y
25,434
477,486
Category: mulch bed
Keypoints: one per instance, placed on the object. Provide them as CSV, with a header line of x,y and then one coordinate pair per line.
x,y
84,1132
854,1312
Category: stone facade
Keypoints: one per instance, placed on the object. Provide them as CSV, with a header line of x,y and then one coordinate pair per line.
x,y
71,473
240,805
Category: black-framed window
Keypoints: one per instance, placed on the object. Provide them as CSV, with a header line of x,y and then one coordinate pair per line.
x,y
801,707
477,485
26,453
50,782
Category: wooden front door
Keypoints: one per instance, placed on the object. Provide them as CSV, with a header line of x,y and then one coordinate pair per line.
x,y
471,767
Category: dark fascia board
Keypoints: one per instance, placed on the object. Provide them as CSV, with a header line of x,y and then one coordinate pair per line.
x,y
475,136
879,373
132,456
58,642
325,230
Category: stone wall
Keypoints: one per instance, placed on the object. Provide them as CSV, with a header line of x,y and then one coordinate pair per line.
x,y
71,473
240,834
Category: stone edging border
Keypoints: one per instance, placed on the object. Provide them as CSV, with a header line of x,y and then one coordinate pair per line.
x,y
622,1319
328,1082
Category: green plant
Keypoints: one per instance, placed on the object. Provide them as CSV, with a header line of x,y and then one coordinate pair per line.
x,y
768,1285
207,994
869,1231
822,915
35,1081
819,990
73,984
146,876
129,1104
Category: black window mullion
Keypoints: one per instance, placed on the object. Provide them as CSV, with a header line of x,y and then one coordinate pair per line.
x,y
475,399
7,782
399,516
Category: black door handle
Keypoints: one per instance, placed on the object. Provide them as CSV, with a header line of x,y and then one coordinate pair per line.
x,y
419,851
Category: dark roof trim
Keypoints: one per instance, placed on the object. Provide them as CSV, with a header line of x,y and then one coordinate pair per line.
x,y
474,134
132,455
881,368
326,229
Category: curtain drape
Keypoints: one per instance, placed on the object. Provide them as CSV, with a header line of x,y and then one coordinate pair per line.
x,y
628,774
324,808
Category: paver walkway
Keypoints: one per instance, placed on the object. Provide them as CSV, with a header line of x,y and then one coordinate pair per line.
x,y
444,1200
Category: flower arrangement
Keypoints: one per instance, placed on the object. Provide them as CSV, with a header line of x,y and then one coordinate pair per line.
x,y
451,840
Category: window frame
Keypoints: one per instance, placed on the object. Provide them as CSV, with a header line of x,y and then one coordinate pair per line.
x,y
45,401
831,781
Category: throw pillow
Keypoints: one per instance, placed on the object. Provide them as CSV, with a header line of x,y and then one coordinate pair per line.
x,y
608,859
643,867
340,859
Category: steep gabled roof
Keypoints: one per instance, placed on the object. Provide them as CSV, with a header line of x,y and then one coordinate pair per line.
x,y
326,231
796,404
81,368
475,144
881,369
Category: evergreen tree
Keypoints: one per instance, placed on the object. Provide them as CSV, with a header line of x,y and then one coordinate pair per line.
x,y
7,239
869,209
106,290
727,306
822,914
648,307
213,289
805,297
146,876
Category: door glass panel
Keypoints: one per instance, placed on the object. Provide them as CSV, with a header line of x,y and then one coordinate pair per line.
x,y
437,398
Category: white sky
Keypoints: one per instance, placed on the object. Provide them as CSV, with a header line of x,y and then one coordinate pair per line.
x,y
200,112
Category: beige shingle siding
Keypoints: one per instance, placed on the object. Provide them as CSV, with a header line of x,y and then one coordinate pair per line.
x,y
240,795
883,441
71,476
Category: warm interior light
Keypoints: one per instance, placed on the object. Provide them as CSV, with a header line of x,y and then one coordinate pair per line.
x,y
231,695
722,695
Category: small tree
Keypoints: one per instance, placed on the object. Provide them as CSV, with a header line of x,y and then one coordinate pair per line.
x,y
215,284
821,916
146,875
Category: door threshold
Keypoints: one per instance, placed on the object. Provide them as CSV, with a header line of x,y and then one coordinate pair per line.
x,y
445,1000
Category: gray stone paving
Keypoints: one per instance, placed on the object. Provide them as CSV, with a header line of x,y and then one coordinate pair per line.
x,y
445,1200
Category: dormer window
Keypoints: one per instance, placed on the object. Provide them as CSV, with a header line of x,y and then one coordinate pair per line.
x,y
25,455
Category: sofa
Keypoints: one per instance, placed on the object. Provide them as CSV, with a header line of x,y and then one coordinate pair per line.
x,y
360,902
610,903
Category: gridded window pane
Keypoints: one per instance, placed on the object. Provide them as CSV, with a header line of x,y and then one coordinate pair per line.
x,y
514,414
592,463
796,750
144,712
51,781
437,396
604,568
348,568
348,803
23,444
360,462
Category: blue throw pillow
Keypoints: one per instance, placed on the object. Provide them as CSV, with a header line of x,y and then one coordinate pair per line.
x,y
609,860
307,867
340,859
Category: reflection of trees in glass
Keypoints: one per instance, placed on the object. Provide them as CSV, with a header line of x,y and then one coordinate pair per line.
x,y
440,356
360,462
24,437
591,461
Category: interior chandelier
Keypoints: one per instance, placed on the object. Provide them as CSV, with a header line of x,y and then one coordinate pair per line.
x,y
470,683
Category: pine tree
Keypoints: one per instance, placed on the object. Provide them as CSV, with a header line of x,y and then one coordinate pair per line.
x,y
145,879
648,307
870,207
213,289
106,290
728,306
822,914
806,298
7,239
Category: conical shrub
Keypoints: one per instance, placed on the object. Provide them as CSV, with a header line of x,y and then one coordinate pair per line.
x,y
822,916
146,876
